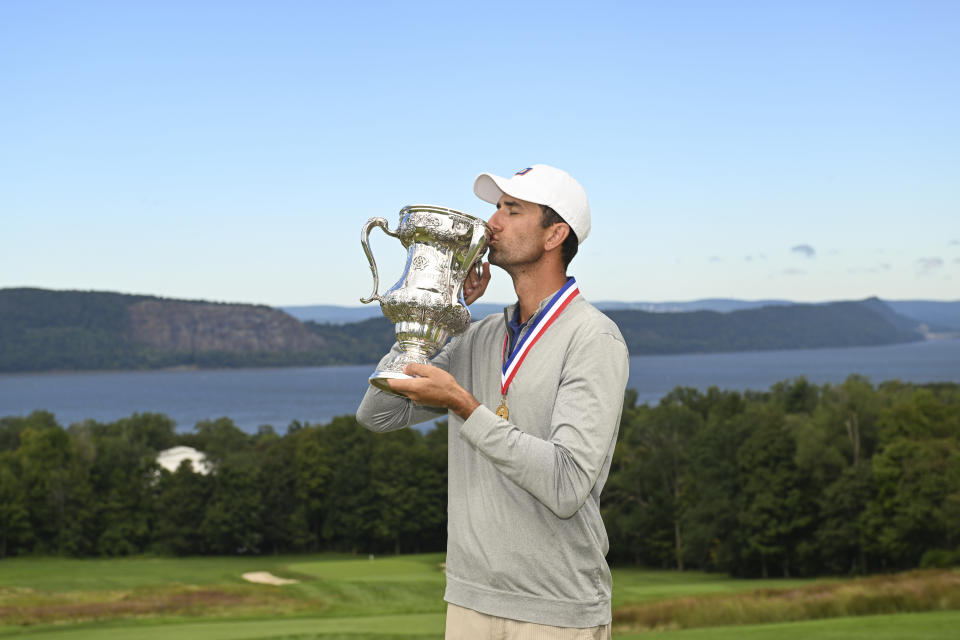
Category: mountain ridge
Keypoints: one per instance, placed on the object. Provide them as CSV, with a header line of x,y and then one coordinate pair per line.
x,y
937,315
44,330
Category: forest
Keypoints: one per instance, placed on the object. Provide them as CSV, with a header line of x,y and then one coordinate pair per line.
x,y
799,480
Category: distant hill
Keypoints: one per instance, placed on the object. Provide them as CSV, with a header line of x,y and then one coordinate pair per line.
x,y
334,314
43,330
722,305
797,326
938,316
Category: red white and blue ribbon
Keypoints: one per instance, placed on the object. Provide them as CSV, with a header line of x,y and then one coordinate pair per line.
x,y
551,312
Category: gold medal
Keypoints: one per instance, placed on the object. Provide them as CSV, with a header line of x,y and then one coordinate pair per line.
x,y
502,411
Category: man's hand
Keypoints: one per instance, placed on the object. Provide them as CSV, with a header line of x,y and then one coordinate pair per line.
x,y
435,387
475,285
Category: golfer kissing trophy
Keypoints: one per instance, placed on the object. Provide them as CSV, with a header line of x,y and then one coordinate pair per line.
x,y
426,305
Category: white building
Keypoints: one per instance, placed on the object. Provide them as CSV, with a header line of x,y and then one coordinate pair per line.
x,y
170,459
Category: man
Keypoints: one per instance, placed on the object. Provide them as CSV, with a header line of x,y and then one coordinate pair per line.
x,y
534,401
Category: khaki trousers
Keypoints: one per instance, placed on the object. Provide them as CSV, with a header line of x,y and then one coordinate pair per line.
x,y
467,624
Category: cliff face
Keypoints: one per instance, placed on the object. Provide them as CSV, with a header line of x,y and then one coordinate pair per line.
x,y
190,327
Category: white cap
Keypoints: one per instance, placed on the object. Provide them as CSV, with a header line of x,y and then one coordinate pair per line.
x,y
541,184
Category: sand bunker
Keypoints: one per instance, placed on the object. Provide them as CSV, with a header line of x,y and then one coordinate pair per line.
x,y
265,577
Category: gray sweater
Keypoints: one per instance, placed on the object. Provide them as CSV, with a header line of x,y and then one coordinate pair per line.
x,y
525,537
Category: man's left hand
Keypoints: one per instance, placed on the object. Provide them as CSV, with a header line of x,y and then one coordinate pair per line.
x,y
436,388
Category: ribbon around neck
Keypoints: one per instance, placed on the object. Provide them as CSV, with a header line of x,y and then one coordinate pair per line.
x,y
551,312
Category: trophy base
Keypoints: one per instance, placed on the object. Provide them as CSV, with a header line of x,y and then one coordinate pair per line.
x,y
379,380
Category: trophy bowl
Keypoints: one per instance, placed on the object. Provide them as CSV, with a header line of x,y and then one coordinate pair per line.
x,y
426,305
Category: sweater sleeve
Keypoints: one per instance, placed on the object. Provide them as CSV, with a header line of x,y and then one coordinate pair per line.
x,y
382,411
562,471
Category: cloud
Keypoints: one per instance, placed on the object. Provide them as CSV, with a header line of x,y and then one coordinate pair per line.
x,y
928,265
805,249
954,241
793,272
956,260
716,259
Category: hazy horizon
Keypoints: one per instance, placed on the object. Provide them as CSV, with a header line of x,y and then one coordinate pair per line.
x,y
484,300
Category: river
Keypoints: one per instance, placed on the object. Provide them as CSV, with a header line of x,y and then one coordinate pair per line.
x,y
276,397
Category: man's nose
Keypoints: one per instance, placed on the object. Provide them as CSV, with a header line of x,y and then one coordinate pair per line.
x,y
494,221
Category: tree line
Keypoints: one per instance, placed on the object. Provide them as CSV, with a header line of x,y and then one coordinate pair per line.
x,y
799,480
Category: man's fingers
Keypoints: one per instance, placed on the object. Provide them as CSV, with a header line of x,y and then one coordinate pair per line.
x,y
474,286
418,370
399,384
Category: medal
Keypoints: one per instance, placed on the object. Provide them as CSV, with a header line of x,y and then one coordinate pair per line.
x,y
502,411
550,313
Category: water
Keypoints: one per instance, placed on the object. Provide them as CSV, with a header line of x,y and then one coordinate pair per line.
x,y
254,397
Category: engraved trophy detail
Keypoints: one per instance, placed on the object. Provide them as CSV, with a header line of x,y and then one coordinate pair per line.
x,y
426,304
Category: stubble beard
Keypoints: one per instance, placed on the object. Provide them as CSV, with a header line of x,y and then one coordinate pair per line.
x,y
511,264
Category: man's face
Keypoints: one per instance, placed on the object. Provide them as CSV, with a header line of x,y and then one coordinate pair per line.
x,y
516,234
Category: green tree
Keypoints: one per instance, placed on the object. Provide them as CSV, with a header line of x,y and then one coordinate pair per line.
x,y
775,513
918,488
711,516
218,439
349,504
233,518
58,493
645,497
293,471
15,533
834,450
181,502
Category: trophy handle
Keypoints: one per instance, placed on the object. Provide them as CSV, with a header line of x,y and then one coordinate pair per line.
x,y
478,245
473,256
365,241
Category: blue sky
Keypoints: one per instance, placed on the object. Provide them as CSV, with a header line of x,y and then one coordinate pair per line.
x,y
232,151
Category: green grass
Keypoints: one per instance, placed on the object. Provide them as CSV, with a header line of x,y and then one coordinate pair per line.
x,y
347,597
428,625
46,590
644,585
403,568
938,625
941,625
70,574
913,591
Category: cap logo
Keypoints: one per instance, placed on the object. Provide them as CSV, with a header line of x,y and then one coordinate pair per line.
x,y
524,172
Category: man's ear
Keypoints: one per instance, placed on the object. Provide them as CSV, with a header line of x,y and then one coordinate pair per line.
x,y
558,233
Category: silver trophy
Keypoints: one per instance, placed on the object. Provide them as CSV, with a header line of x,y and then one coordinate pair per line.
x,y
426,305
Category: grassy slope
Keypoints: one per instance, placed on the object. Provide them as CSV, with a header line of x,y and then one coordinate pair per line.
x,y
645,585
341,596
938,625
941,625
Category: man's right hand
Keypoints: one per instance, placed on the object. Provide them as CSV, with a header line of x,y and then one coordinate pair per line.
x,y
475,284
